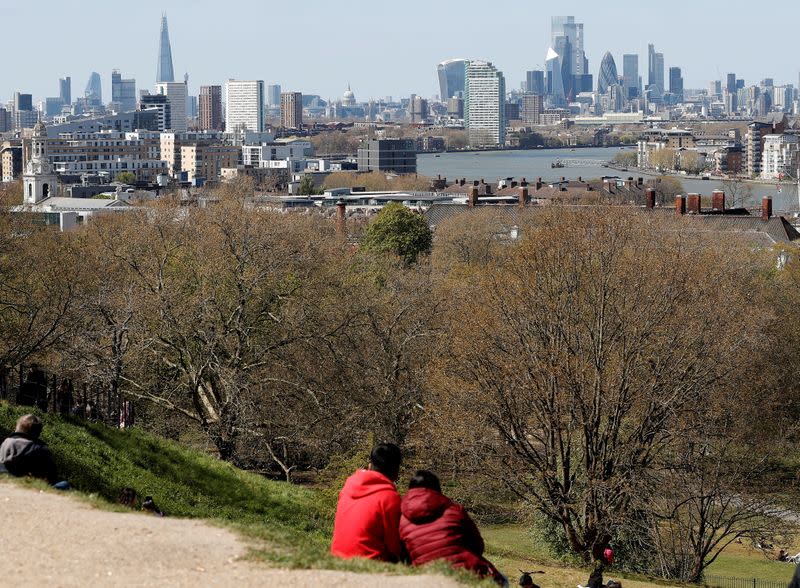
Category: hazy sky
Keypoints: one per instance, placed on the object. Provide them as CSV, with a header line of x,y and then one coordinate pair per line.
x,y
380,48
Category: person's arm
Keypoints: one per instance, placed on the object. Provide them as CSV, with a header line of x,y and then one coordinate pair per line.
x,y
795,583
391,528
45,466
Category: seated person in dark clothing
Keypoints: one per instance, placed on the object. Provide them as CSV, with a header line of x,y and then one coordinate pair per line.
x,y
23,454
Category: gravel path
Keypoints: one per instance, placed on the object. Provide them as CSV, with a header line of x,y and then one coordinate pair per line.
x,y
50,540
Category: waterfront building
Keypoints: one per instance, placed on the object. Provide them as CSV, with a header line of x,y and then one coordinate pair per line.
x,y
608,74
780,156
178,96
484,104
531,108
210,105
292,110
164,71
389,155
244,105
451,78
772,124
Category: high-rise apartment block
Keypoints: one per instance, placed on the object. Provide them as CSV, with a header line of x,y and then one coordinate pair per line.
x,y
178,96
244,106
210,105
291,110
484,104
531,108
154,113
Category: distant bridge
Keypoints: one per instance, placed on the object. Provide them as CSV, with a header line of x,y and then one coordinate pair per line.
x,y
582,162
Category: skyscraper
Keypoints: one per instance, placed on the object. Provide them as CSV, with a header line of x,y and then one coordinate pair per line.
x,y
244,105
608,73
567,42
555,81
164,72
159,104
123,93
178,96
676,84
630,75
534,82
291,110
655,73
274,94
210,102
65,90
23,101
94,90
451,78
484,104
731,82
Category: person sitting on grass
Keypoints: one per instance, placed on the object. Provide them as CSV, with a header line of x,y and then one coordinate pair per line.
x,y
433,527
368,512
23,454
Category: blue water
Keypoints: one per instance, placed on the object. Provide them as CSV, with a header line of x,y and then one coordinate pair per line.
x,y
535,163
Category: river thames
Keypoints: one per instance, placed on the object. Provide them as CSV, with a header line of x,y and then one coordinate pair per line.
x,y
535,163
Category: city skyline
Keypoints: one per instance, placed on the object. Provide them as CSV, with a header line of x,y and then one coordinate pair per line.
x,y
324,57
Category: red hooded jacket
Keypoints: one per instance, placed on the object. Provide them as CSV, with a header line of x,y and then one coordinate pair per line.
x,y
367,518
434,527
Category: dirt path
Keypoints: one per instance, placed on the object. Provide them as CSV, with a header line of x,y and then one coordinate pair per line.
x,y
54,540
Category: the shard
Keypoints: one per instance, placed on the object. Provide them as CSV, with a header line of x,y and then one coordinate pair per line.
x,y
165,72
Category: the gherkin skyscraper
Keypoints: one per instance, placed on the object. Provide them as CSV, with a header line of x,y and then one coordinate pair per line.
x,y
165,72
608,74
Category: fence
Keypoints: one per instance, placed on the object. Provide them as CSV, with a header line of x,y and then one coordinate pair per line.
x,y
725,582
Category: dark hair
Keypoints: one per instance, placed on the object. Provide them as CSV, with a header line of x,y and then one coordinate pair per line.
x,y
525,579
425,479
385,458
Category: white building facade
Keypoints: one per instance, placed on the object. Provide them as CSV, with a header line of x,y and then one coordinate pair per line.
x,y
244,106
484,104
779,157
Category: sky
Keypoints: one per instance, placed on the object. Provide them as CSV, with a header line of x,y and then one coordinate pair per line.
x,y
379,48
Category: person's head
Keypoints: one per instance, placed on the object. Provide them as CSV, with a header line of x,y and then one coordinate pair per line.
x,y
425,479
29,425
526,580
386,458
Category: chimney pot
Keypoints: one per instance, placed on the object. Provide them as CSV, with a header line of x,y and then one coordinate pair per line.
x,y
766,208
680,205
523,197
650,198
694,206
718,200
473,197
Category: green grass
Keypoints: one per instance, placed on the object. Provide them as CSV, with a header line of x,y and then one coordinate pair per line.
x,y
288,525
742,562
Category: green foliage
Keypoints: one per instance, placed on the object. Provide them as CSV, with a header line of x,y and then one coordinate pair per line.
x,y
400,231
307,187
125,177
625,158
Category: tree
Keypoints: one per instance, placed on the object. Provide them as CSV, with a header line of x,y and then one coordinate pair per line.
x,y
400,231
580,353
626,159
667,188
307,187
738,193
662,159
125,177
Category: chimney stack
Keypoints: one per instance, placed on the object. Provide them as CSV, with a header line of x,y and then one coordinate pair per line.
x,y
680,205
766,208
523,196
650,198
694,204
718,200
473,197
341,217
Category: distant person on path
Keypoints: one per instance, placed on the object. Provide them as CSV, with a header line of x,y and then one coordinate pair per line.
x,y
433,527
23,454
368,513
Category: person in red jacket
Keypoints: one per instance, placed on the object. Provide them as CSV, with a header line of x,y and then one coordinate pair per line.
x,y
433,527
368,513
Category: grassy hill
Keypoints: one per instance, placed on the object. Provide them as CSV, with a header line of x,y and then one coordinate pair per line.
x,y
293,522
